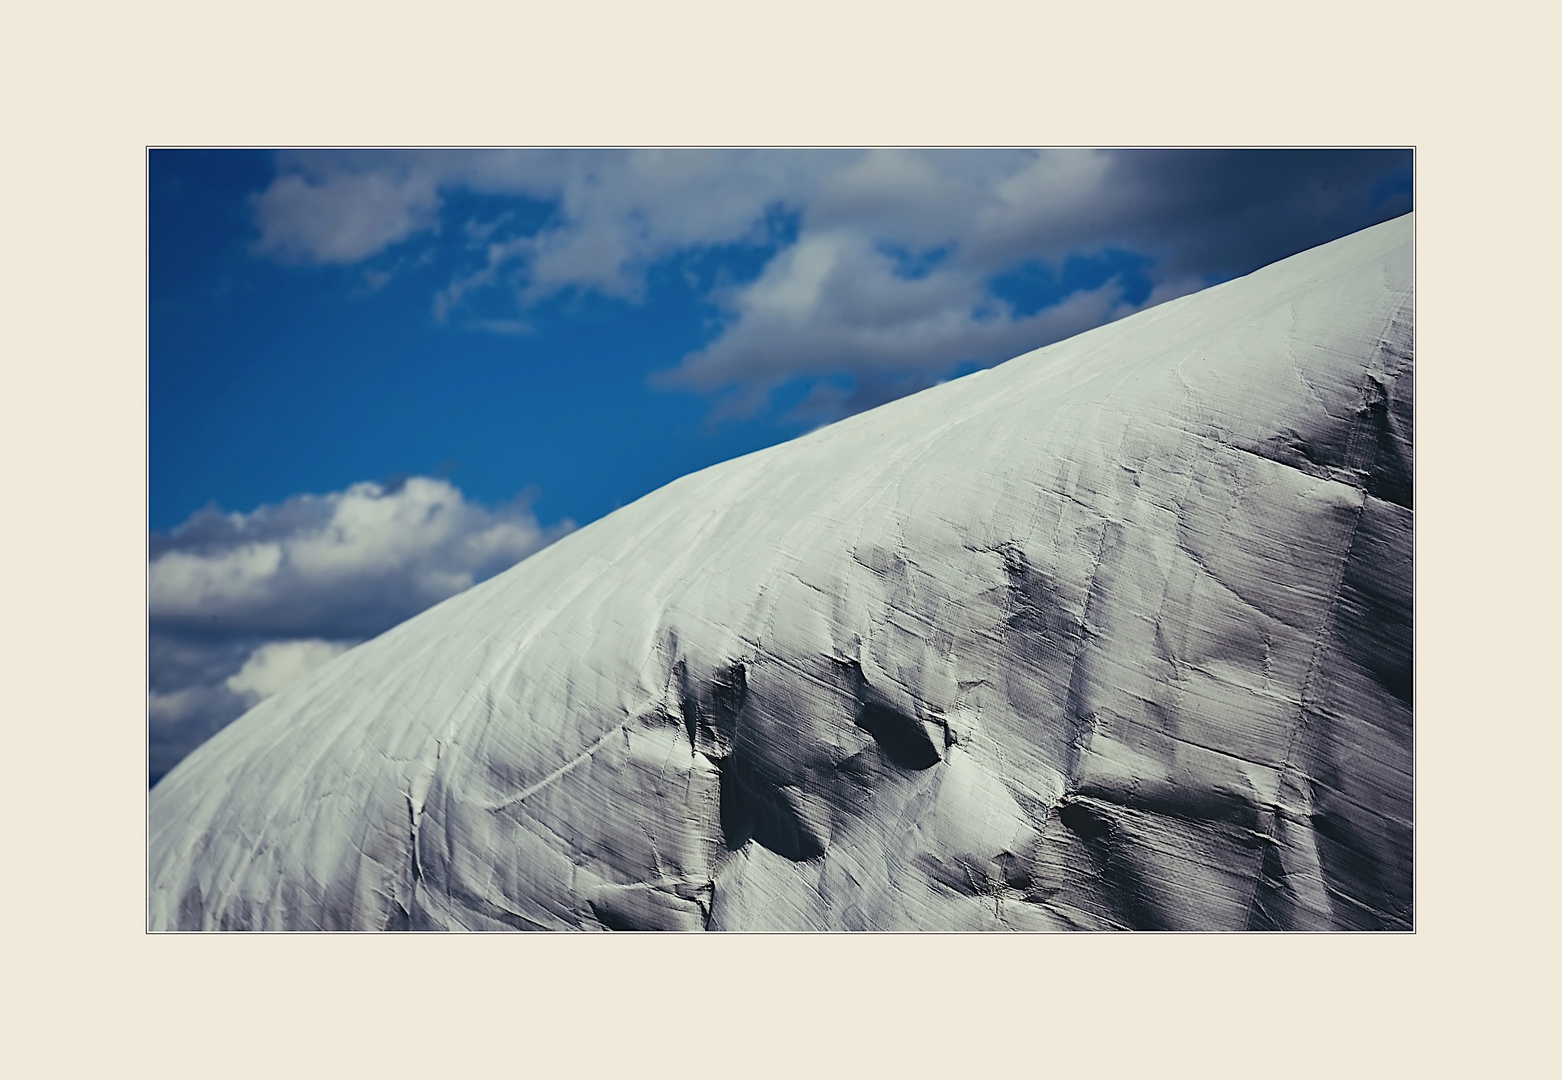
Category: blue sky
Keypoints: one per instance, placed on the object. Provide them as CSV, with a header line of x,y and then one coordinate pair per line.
x,y
376,377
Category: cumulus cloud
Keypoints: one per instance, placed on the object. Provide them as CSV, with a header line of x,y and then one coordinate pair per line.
x,y
346,564
243,604
887,272
837,302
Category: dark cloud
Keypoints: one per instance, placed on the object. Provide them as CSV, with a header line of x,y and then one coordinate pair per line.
x,y
1223,213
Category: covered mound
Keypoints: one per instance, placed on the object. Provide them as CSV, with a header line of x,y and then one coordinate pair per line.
x,y
1117,634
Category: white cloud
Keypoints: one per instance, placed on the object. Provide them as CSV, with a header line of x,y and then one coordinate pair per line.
x,y
224,578
347,564
791,286
838,303
836,300
620,211
278,664
345,217
916,198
